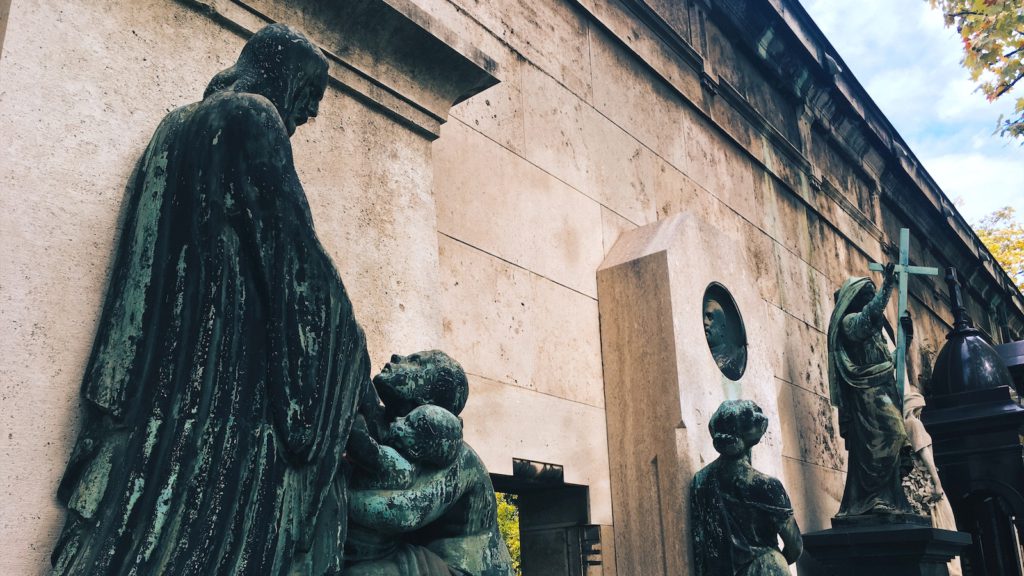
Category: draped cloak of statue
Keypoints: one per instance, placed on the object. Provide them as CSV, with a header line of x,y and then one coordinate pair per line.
x,y
738,513
862,385
737,520
227,365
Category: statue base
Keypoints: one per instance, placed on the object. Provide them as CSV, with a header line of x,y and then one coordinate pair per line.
x,y
885,545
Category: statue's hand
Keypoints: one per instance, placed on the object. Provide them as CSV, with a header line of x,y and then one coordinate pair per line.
x,y
889,273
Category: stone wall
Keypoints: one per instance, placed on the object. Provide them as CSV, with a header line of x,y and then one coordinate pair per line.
x,y
611,115
614,115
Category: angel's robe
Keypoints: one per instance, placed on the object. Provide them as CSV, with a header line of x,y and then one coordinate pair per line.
x,y
226,368
862,384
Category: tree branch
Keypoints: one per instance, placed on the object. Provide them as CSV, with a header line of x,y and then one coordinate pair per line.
x,y
1007,86
963,13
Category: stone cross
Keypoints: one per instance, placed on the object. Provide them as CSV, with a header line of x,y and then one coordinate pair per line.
x,y
904,269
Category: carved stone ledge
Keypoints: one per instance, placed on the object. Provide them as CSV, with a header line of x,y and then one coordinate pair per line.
x,y
389,54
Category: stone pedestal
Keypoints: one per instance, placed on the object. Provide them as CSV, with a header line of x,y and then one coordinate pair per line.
x,y
891,545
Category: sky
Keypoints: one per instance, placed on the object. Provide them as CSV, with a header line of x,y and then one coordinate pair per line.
x,y
909,63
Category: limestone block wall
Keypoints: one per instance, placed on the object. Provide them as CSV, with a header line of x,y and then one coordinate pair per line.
x,y
614,114
610,115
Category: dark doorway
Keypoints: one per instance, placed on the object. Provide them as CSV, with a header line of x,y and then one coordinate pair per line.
x,y
996,550
556,538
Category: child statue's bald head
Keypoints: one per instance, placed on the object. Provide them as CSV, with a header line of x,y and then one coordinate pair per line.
x,y
429,434
428,377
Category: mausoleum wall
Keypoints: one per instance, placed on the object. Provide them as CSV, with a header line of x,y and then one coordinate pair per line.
x,y
614,115
610,116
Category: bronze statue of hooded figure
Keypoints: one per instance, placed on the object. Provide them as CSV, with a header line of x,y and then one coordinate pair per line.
x,y
862,385
227,364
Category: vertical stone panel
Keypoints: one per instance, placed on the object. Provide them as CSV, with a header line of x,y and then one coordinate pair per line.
x,y
569,434
84,86
575,143
73,128
662,383
512,326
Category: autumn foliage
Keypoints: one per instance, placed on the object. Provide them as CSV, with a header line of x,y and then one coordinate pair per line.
x,y
1003,235
508,524
993,36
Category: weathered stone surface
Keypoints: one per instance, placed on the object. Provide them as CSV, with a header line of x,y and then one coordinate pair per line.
x,y
576,144
545,33
662,383
59,220
353,222
613,226
495,423
398,50
802,291
499,114
816,492
817,430
62,227
492,199
659,53
516,327
674,192
633,99
800,358
784,216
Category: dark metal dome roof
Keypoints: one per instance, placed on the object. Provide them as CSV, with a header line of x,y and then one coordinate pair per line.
x,y
967,361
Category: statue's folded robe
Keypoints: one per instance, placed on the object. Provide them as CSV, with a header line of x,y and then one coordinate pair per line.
x,y
226,368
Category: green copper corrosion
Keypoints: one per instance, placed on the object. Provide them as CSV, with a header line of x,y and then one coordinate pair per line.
x,y
228,370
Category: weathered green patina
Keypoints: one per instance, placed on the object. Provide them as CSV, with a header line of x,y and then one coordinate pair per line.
x,y
904,270
862,385
434,512
227,365
739,513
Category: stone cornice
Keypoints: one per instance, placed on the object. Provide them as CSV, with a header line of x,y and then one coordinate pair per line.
x,y
840,103
781,40
389,54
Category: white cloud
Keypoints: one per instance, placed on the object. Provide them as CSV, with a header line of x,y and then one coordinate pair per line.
x,y
909,63
985,183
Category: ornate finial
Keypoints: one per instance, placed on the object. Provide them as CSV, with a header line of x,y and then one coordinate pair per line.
x,y
961,319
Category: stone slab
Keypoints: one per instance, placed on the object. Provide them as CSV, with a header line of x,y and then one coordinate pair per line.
x,y
100,96
613,226
815,491
76,138
575,143
545,33
494,200
496,429
661,382
633,98
512,326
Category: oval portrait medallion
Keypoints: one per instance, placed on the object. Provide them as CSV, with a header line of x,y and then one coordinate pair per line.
x,y
723,328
